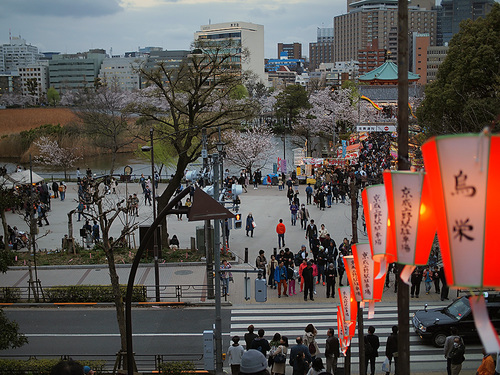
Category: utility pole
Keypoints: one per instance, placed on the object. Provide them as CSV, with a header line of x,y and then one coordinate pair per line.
x,y
403,164
207,229
155,237
218,319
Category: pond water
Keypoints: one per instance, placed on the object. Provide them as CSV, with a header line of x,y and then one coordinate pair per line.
x,y
101,164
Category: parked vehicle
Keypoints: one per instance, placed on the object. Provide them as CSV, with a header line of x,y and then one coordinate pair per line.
x,y
435,324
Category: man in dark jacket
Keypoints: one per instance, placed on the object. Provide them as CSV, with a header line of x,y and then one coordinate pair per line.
x,y
299,348
391,349
372,344
332,351
311,233
331,274
307,275
260,343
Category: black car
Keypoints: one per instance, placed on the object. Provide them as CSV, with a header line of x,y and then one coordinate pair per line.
x,y
435,324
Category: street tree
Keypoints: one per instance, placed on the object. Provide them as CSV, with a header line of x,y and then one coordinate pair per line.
x,y
106,209
53,96
465,97
10,338
106,120
180,102
8,199
50,153
250,148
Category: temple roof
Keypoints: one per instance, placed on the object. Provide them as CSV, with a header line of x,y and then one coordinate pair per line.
x,y
387,72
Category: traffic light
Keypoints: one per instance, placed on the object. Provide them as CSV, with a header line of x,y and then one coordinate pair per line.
x,y
237,221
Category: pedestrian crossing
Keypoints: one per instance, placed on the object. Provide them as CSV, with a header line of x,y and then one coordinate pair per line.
x,y
290,321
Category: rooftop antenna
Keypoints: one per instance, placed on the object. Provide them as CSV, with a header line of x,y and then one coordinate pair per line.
x,y
209,21
10,36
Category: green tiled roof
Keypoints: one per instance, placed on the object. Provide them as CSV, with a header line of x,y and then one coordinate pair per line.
x,y
388,71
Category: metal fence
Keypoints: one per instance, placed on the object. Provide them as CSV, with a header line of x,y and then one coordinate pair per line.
x,y
168,293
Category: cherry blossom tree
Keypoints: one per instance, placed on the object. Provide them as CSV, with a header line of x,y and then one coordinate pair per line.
x,y
106,118
50,153
251,148
15,99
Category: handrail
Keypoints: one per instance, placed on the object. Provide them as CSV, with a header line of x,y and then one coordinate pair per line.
x,y
178,293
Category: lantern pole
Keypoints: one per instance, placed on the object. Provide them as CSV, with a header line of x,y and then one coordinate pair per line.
x,y
361,341
403,164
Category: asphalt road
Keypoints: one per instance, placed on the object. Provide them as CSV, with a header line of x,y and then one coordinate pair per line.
x,y
94,332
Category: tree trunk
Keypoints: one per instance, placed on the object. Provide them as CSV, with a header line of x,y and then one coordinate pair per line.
x,y
5,229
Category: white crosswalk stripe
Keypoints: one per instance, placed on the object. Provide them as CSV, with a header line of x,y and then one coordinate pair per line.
x,y
290,321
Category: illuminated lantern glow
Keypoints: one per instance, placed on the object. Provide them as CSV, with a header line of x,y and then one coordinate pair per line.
x,y
348,304
411,223
376,215
463,173
352,276
366,269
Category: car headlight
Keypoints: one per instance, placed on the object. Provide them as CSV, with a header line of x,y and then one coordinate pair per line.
x,y
422,328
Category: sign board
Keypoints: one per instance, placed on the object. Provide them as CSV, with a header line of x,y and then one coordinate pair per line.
x,y
376,128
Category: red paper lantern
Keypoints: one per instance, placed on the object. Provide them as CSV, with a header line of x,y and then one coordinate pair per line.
x,y
376,215
463,171
411,223
353,278
348,304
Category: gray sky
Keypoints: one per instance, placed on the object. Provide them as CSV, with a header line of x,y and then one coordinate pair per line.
x,y
70,26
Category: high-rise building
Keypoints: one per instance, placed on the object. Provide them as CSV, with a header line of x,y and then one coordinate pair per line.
x,y
371,57
374,19
435,57
121,72
69,72
418,56
17,53
243,36
452,12
322,50
293,50
35,80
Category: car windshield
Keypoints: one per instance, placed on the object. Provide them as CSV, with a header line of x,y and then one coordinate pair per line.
x,y
458,309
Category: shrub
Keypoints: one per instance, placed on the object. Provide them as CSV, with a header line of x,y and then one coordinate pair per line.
x,y
9,294
91,293
177,368
41,366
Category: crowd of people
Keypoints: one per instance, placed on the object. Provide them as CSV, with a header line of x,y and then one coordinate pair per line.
x,y
261,356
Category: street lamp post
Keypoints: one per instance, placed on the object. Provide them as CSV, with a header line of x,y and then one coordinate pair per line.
x,y
155,238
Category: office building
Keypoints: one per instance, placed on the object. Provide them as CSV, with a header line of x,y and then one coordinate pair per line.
x,y
121,72
292,50
371,57
321,51
374,19
70,72
35,80
243,36
452,12
17,53
435,57
419,43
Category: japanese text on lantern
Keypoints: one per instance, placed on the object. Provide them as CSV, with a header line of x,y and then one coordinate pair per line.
x,y
345,299
463,228
406,216
377,216
355,282
366,274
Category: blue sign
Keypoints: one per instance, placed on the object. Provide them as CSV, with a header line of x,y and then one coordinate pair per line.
x,y
344,147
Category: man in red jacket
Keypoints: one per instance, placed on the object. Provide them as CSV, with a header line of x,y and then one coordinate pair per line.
x,y
281,229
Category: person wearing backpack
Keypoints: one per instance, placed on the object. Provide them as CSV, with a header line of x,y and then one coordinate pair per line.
x,y
372,344
309,340
457,356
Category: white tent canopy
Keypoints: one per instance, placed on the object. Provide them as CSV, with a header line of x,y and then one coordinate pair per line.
x,y
23,178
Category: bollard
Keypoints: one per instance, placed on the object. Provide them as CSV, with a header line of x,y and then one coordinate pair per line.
x,y
246,254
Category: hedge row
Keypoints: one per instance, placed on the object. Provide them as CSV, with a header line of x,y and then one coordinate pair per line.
x,y
9,295
41,366
91,293
177,368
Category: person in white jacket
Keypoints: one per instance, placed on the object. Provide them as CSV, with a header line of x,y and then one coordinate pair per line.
x,y
234,354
